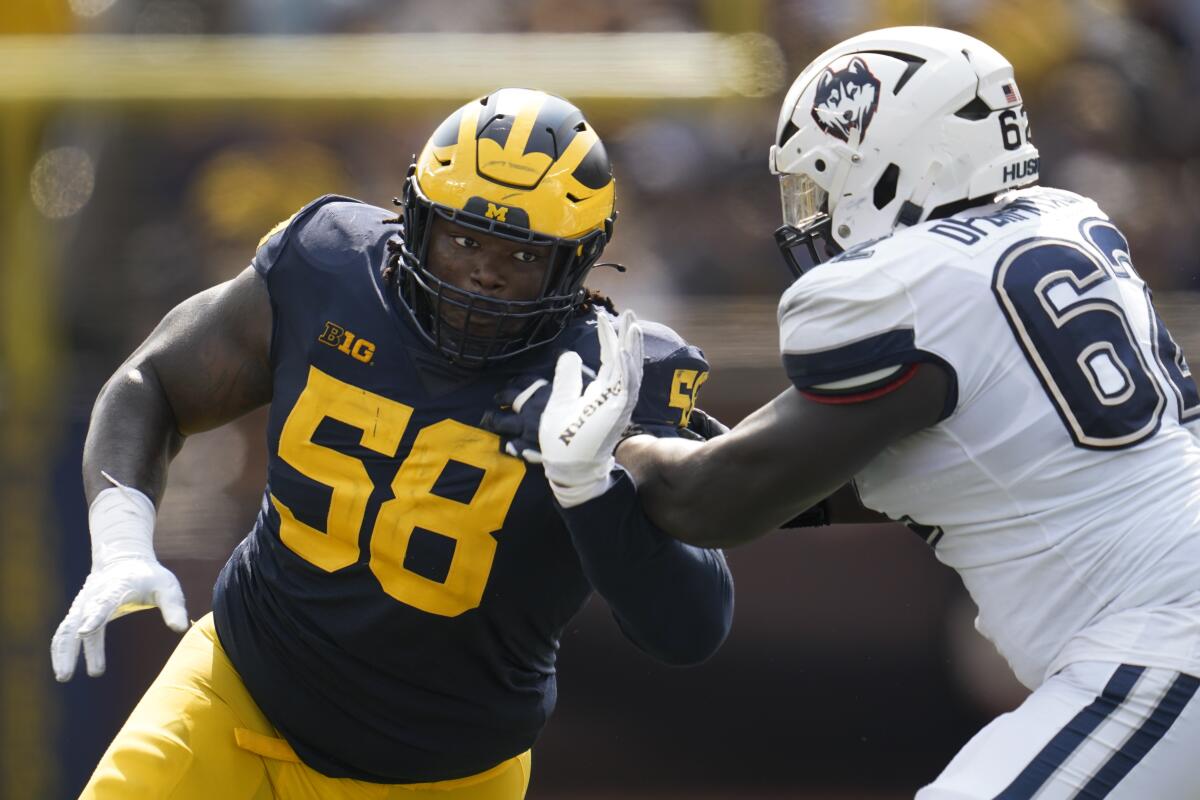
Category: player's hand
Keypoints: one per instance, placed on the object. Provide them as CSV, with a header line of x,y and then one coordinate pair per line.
x,y
521,405
125,577
516,420
703,426
580,427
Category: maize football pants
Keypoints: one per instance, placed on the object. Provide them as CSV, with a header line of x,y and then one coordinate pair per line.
x,y
197,734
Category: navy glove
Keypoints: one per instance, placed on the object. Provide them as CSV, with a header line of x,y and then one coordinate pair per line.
x,y
703,426
516,421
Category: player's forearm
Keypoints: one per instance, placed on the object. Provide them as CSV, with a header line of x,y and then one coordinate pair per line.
x,y
668,489
133,434
782,459
698,494
672,600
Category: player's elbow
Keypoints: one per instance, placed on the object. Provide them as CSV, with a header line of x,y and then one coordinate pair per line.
x,y
688,657
687,628
703,646
691,646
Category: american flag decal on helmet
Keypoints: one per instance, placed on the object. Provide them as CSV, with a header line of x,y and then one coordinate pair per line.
x,y
1010,93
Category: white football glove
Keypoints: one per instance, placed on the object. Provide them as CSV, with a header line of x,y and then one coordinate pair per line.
x,y
125,577
578,432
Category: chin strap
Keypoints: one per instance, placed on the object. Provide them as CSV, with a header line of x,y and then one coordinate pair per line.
x,y
913,209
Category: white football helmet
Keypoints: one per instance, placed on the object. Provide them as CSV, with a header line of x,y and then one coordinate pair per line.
x,y
890,127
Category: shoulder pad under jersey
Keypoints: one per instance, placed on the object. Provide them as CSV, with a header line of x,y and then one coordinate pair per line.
x,y
672,375
273,243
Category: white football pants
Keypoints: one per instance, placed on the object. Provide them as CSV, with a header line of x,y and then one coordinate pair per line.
x,y
1094,730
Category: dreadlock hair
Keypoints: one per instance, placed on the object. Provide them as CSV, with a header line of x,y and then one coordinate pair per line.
x,y
592,299
391,267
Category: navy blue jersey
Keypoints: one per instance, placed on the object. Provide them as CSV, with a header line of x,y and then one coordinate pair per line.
x,y
396,610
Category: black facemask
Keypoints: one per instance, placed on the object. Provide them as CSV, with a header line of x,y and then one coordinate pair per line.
x,y
805,248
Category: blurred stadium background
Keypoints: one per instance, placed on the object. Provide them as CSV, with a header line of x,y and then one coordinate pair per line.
x,y
147,144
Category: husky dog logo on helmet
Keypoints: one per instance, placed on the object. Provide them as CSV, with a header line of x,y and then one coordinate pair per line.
x,y
846,99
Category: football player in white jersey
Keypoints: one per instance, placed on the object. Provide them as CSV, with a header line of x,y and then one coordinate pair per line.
x,y
979,358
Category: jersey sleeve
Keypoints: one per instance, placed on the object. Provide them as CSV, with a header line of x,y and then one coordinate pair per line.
x,y
674,601
848,335
672,374
274,243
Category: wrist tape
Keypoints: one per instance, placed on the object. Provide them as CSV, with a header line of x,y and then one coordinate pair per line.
x,y
121,521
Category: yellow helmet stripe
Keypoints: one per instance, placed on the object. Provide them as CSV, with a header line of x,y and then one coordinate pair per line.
x,y
518,137
465,155
565,194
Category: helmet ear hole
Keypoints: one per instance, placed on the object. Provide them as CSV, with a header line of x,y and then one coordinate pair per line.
x,y
975,110
885,187
789,130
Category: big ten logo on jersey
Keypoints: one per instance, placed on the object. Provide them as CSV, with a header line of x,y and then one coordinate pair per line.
x,y
685,388
338,337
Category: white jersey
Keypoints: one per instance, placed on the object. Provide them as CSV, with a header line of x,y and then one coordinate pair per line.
x,y
1063,482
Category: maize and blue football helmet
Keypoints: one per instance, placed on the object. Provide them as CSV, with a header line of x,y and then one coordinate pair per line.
x,y
519,164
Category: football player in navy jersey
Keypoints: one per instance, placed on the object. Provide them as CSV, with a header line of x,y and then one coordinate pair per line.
x,y
390,625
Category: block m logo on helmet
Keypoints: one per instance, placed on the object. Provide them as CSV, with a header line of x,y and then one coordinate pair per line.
x,y
488,209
